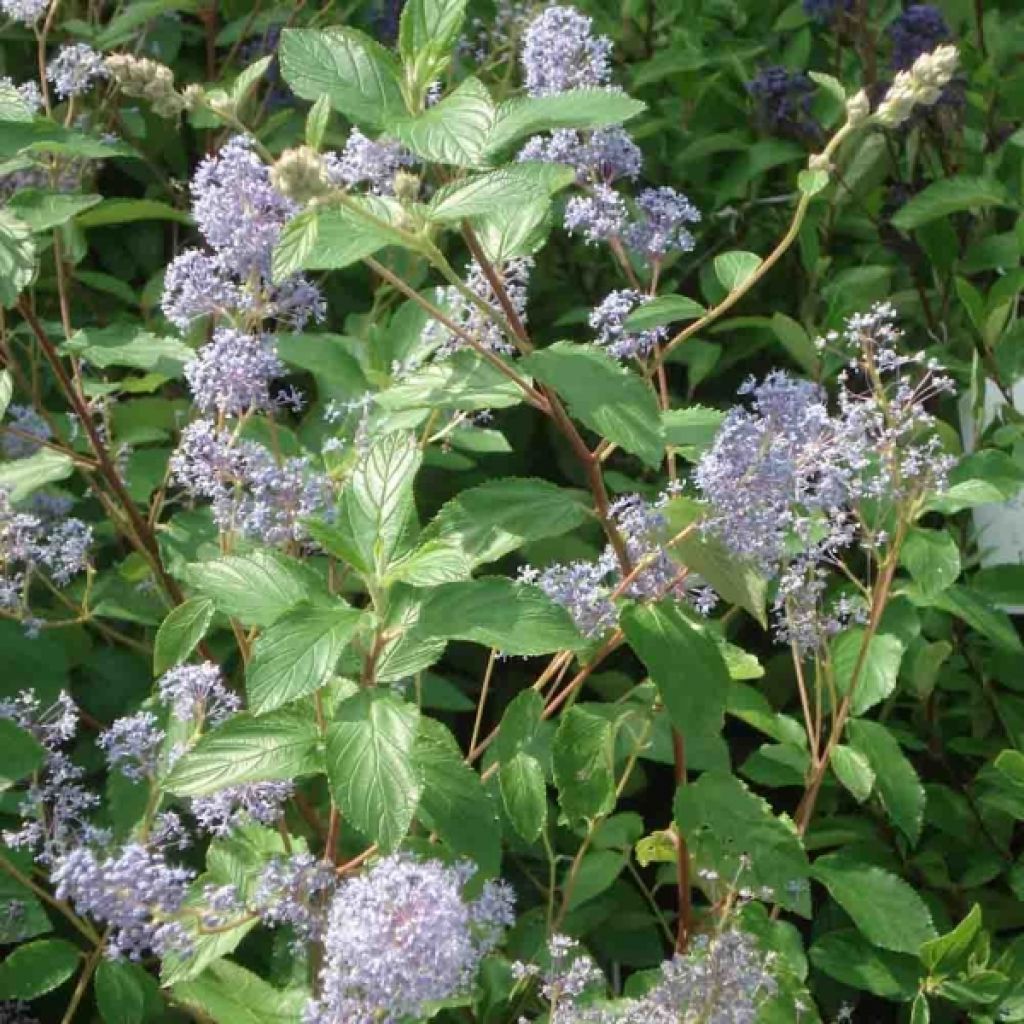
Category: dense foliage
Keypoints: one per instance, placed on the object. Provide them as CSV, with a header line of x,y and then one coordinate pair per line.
x,y
511,514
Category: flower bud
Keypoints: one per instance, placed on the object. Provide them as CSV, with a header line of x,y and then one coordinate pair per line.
x,y
858,107
300,174
147,79
921,85
406,186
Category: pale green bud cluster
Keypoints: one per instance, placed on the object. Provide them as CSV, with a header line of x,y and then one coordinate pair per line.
x,y
300,174
922,85
147,79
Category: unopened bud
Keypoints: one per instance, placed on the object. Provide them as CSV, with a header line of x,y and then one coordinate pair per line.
x,y
858,107
146,79
406,186
922,85
300,174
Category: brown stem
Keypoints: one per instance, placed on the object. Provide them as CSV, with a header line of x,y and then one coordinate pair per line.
x,y
83,982
684,922
143,534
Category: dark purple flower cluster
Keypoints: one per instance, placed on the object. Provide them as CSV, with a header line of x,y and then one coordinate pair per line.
x,y
402,936
918,29
782,101
826,11
660,227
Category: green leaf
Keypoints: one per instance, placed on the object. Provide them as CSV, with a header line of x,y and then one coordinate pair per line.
x,y
357,75
886,910
12,104
332,236
43,136
124,345
811,182
42,210
129,211
847,957
6,390
896,781
20,753
297,654
497,612
17,256
578,108
120,995
582,757
500,516
797,342
33,970
378,501
513,186
464,381
723,821
735,581
691,430
454,803
280,745
228,994
932,558
256,588
665,309
949,953
179,634
22,477
430,28
316,122
370,765
853,770
524,795
453,131
666,640
949,195
519,725
878,670
733,268
920,1013
980,614
248,78
432,563
604,396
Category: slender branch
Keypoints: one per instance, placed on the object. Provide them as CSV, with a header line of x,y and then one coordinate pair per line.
x,y
62,908
146,539
83,982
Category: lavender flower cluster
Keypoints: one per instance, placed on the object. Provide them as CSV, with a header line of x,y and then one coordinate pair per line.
x,y
723,979
783,479
587,590
402,936
471,318
47,541
56,805
250,493
134,891
75,69
240,216
560,53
